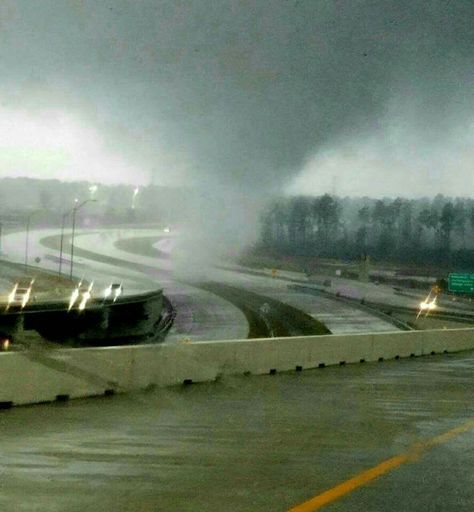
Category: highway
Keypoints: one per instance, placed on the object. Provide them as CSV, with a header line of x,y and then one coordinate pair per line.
x,y
254,444
143,259
339,318
201,315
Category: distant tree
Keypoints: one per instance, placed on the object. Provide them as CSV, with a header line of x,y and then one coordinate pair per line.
x,y
429,219
266,223
406,246
299,222
327,213
362,233
46,199
460,219
447,220
394,210
471,217
280,220
379,212
384,220
273,222
394,230
364,214
438,202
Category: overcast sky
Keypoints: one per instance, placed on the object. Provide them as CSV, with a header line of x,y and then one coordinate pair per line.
x,y
304,96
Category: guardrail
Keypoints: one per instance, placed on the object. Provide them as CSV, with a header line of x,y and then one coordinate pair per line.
x,y
48,375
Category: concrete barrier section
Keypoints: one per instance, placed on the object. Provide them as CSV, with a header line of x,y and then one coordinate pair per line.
x,y
39,376
168,365
400,343
446,340
108,368
26,380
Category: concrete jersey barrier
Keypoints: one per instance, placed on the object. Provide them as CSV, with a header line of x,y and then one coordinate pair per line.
x,y
41,376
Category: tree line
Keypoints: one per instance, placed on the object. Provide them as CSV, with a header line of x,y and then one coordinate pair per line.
x,y
435,230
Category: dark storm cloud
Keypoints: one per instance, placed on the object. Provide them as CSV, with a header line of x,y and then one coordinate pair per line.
x,y
239,92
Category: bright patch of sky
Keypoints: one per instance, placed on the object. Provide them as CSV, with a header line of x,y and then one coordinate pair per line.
x,y
394,161
53,144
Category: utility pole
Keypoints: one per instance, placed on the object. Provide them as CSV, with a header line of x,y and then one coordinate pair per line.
x,y
74,211
63,221
28,219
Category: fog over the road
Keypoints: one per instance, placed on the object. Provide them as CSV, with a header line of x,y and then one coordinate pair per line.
x,y
241,95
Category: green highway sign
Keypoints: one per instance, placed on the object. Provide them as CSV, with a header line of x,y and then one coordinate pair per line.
x,y
461,283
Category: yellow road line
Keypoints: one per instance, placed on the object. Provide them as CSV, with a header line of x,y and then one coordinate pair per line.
x,y
367,476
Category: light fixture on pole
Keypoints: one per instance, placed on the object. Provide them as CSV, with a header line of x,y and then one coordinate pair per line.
x,y
135,192
93,190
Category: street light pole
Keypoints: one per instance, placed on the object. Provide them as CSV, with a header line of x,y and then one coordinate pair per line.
x,y
63,221
28,219
74,211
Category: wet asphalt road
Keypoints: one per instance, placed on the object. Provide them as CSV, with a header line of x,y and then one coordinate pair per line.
x,y
339,318
250,443
206,316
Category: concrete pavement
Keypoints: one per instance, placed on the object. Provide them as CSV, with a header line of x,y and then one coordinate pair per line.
x,y
251,443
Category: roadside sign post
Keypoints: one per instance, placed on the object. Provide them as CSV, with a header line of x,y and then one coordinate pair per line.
x,y
461,283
